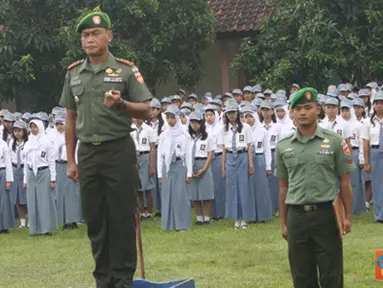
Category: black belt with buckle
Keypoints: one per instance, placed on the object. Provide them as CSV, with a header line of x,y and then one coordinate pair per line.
x,y
238,152
40,168
272,149
375,146
258,154
144,152
200,158
15,165
355,148
2,168
61,162
311,207
217,154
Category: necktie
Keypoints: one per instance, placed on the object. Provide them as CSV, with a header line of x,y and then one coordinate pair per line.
x,y
234,141
381,137
174,157
60,152
18,154
138,135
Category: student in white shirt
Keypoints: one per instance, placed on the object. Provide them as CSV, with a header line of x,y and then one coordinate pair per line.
x,y
259,184
159,125
40,180
202,187
357,184
360,115
289,128
146,140
184,117
214,129
237,165
18,192
175,171
269,122
373,154
68,192
7,212
9,120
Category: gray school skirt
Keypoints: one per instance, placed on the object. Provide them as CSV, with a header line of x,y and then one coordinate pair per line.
x,y
42,210
18,193
7,215
147,182
201,188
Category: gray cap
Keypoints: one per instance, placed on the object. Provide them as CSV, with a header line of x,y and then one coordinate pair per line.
x,y
185,112
166,100
332,91
358,102
156,103
268,91
260,95
237,91
9,117
231,105
216,102
342,88
196,116
172,109
228,94
346,104
175,98
60,117
363,92
193,96
332,101
26,116
281,91
280,103
295,85
267,104
210,107
219,96
43,116
3,112
257,102
248,89
187,106
20,124
257,88
352,96
378,97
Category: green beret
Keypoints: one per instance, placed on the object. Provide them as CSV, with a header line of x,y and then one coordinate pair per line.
x,y
95,19
303,96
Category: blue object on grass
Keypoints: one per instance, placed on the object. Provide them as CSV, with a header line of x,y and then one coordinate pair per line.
x,y
186,283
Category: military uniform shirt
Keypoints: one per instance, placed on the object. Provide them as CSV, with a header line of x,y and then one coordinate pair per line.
x,y
84,91
371,132
312,165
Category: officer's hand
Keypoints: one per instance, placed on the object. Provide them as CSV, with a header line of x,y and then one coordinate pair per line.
x,y
361,166
284,232
53,185
188,180
269,172
346,226
223,173
251,170
367,167
72,172
112,99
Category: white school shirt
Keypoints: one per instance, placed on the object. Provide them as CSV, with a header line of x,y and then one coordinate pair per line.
x,y
215,131
261,143
369,132
203,147
287,130
5,161
356,140
154,125
242,139
145,138
59,141
338,126
179,154
274,133
14,153
47,157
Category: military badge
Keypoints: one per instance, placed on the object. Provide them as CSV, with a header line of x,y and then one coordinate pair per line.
x,y
109,70
96,19
325,140
308,95
76,100
139,77
324,146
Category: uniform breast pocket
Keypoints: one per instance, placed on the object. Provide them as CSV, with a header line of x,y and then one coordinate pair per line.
x,y
324,159
291,162
107,86
77,92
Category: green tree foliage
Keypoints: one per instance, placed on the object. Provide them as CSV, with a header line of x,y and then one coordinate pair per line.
x,y
316,42
37,41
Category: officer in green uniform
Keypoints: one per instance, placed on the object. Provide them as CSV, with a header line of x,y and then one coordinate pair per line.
x,y
101,93
308,163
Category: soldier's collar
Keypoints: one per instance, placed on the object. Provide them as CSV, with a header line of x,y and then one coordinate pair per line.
x,y
109,63
318,133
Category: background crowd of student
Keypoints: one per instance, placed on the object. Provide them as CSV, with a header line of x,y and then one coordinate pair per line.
x,y
216,156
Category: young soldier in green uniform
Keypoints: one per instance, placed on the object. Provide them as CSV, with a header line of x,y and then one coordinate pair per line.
x,y
101,94
308,163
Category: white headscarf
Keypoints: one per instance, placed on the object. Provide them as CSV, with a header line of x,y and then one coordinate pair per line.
x,y
35,143
286,120
173,136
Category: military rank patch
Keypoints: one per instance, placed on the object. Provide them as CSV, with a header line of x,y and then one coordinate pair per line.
x,y
347,152
241,138
139,77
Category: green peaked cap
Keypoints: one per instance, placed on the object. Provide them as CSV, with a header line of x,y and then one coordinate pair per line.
x,y
303,96
95,19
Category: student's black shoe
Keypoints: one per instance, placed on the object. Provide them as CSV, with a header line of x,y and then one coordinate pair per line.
x,y
199,223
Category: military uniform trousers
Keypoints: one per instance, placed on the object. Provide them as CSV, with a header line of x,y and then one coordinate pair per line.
x,y
109,183
314,243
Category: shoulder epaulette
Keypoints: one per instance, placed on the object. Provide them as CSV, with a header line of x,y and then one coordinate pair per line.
x,y
127,62
74,64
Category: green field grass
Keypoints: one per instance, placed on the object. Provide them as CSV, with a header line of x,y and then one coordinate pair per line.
x,y
215,256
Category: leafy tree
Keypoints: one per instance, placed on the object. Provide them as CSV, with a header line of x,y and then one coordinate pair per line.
x,y
38,40
315,42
